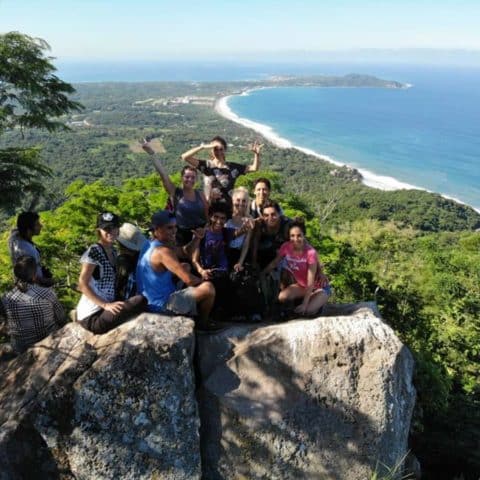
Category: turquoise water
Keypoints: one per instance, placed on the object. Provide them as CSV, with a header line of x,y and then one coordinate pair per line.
x,y
427,136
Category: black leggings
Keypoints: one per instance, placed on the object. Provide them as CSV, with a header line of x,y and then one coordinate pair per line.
x,y
103,321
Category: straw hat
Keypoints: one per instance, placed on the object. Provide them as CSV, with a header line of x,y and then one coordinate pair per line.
x,y
131,237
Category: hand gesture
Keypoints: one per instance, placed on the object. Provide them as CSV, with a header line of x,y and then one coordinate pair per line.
x,y
215,195
238,267
256,147
147,148
214,144
205,273
248,223
199,232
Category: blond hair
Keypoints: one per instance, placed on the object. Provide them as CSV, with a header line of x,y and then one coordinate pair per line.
x,y
241,191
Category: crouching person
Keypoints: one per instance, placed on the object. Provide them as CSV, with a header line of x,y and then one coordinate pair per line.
x,y
97,310
159,263
32,311
310,288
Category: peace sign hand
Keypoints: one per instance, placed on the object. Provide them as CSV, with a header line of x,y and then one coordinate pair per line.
x,y
256,147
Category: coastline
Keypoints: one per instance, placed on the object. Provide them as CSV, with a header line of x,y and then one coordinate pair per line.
x,y
370,179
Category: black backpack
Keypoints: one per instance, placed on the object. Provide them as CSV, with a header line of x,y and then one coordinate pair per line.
x,y
246,295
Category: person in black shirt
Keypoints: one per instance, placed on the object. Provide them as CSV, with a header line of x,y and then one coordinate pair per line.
x,y
220,174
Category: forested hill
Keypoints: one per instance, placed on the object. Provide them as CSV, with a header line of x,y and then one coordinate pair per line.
x,y
103,144
413,252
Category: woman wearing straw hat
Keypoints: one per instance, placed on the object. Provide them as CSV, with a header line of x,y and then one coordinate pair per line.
x,y
131,241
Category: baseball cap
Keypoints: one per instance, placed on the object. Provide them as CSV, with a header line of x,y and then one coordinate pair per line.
x,y
162,217
108,220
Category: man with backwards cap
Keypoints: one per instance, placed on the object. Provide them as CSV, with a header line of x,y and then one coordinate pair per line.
x,y
157,265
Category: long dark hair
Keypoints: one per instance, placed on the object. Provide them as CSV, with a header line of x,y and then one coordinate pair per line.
x,y
298,222
26,221
217,138
24,270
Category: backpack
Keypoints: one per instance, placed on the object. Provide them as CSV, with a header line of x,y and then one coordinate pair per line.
x,y
246,293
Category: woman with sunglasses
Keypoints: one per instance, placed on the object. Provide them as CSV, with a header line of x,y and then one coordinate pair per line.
x,y
190,204
220,174
97,310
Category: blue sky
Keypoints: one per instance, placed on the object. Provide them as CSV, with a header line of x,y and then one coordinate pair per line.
x,y
183,28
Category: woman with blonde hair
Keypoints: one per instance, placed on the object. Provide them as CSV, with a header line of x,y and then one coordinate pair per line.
x,y
238,247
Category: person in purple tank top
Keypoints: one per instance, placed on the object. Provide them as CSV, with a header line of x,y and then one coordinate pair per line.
x,y
189,204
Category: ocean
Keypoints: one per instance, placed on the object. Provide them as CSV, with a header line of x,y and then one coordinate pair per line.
x,y
426,136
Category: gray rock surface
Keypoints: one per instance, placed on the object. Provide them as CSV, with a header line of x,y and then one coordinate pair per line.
x,y
120,405
328,398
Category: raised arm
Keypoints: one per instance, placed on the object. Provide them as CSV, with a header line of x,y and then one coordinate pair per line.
x,y
189,156
255,166
205,203
167,183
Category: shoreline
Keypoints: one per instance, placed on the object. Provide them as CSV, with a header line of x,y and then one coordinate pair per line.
x,y
369,179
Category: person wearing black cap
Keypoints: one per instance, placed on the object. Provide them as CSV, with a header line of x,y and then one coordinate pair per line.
x,y
159,263
97,309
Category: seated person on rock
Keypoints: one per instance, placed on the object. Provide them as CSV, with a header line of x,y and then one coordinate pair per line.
x,y
130,242
300,259
238,247
32,311
159,264
98,310
189,204
269,235
261,190
210,257
21,243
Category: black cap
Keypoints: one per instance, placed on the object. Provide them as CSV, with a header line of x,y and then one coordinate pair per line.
x,y
108,220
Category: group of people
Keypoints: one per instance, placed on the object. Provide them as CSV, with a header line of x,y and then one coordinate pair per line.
x,y
200,248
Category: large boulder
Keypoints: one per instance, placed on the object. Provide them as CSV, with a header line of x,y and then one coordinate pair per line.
x,y
329,398
119,405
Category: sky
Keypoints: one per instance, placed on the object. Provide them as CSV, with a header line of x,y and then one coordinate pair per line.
x,y
142,29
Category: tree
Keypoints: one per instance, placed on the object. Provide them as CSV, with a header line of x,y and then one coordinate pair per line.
x,y
31,96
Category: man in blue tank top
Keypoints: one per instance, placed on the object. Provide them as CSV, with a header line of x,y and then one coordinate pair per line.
x,y
158,263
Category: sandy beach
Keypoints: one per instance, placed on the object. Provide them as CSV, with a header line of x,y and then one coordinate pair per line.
x,y
369,178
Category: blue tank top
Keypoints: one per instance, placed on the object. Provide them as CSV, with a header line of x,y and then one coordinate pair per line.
x,y
156,287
